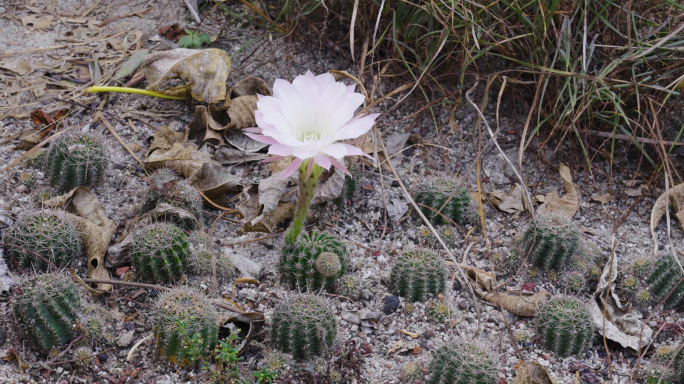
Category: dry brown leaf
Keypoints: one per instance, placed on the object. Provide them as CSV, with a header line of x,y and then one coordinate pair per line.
x,y
565,206
236,113
203,128
330,186
205,71
256,217
280,164
95,227
623,323
13,354
514,301
227,155
184,159
603,199
214,182
167,212
511,202
172,32
633,192
537,376
249,86
673,200
253,320
20,67
38,21
243,142
165,138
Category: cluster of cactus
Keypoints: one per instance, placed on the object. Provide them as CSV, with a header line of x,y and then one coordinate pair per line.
x,y
551,241
39,237
349,188
666,281
167,187
76,160
304,327
418,274
185,325
160,252
46,308
463,363
433,200
665,367
565,325
313,262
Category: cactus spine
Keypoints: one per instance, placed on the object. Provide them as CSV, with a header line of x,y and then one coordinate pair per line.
x,y
160,252
565,325
304,327
463,363
300,265
665,278
551,242
418,274
185,325
433,196
167,187
46,309
75,160
47,233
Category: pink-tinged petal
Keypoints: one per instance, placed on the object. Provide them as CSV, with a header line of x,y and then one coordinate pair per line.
x,y
261,139
259,96
279,87
339,166
310,75
337,150
323,81
322,160
353,150
252,130
309,168
280,150
272,158
351,88
356,127
303,153
291,168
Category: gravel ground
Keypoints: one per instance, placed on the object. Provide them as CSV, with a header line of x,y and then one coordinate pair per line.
x,y
399,339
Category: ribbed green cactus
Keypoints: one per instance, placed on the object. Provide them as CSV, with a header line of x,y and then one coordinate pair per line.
x,y
463,363
167,187
160,252
46,308
75,160
95,323
199,259
565,325
551,242
665,278
185,325
418,274
300,265
47,233
304,326
432,196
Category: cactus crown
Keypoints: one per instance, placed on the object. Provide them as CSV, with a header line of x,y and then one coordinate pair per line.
x,y
418,274
565,325
463,363
182,315
665,278
75,160
304,326
160,252
299,263
551,242
432,196
167,187
46,309
48,233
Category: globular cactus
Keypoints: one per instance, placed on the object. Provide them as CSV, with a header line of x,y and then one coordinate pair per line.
x,y
350,287
83,358
667,277
185,325
199,262
46,308
418,274
314,262
551,242
95,323
75,160
630,284
662,358
432,196
574,282
463,363
565,325
167,187
49,234
304,327
160,252
643,298
642,267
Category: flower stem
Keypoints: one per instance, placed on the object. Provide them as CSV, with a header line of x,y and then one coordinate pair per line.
x,y
306,193
134,90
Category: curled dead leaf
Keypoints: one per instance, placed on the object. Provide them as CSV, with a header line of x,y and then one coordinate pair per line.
x,y
249,86
243,142
227,155
167,212
249,324
203,128
96,229
673,200
13,354
565,206
205,71
532,372
214,182
511,202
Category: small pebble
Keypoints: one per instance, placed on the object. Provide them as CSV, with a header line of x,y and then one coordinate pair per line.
x,y
22,189
391,304
102,357
457,285
463,304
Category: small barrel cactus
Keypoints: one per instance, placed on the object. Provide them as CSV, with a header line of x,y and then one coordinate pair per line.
x,y
642,298
96,325
574,282
49,234
667,277
304,327
75,160
350,287
199,264
431,199
185,325
551,242
642,267
463,363
565,326
160,252
350,187
418,274
314,262
46,308
167,187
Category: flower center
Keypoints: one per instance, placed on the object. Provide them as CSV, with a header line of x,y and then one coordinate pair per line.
x,y
309,136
